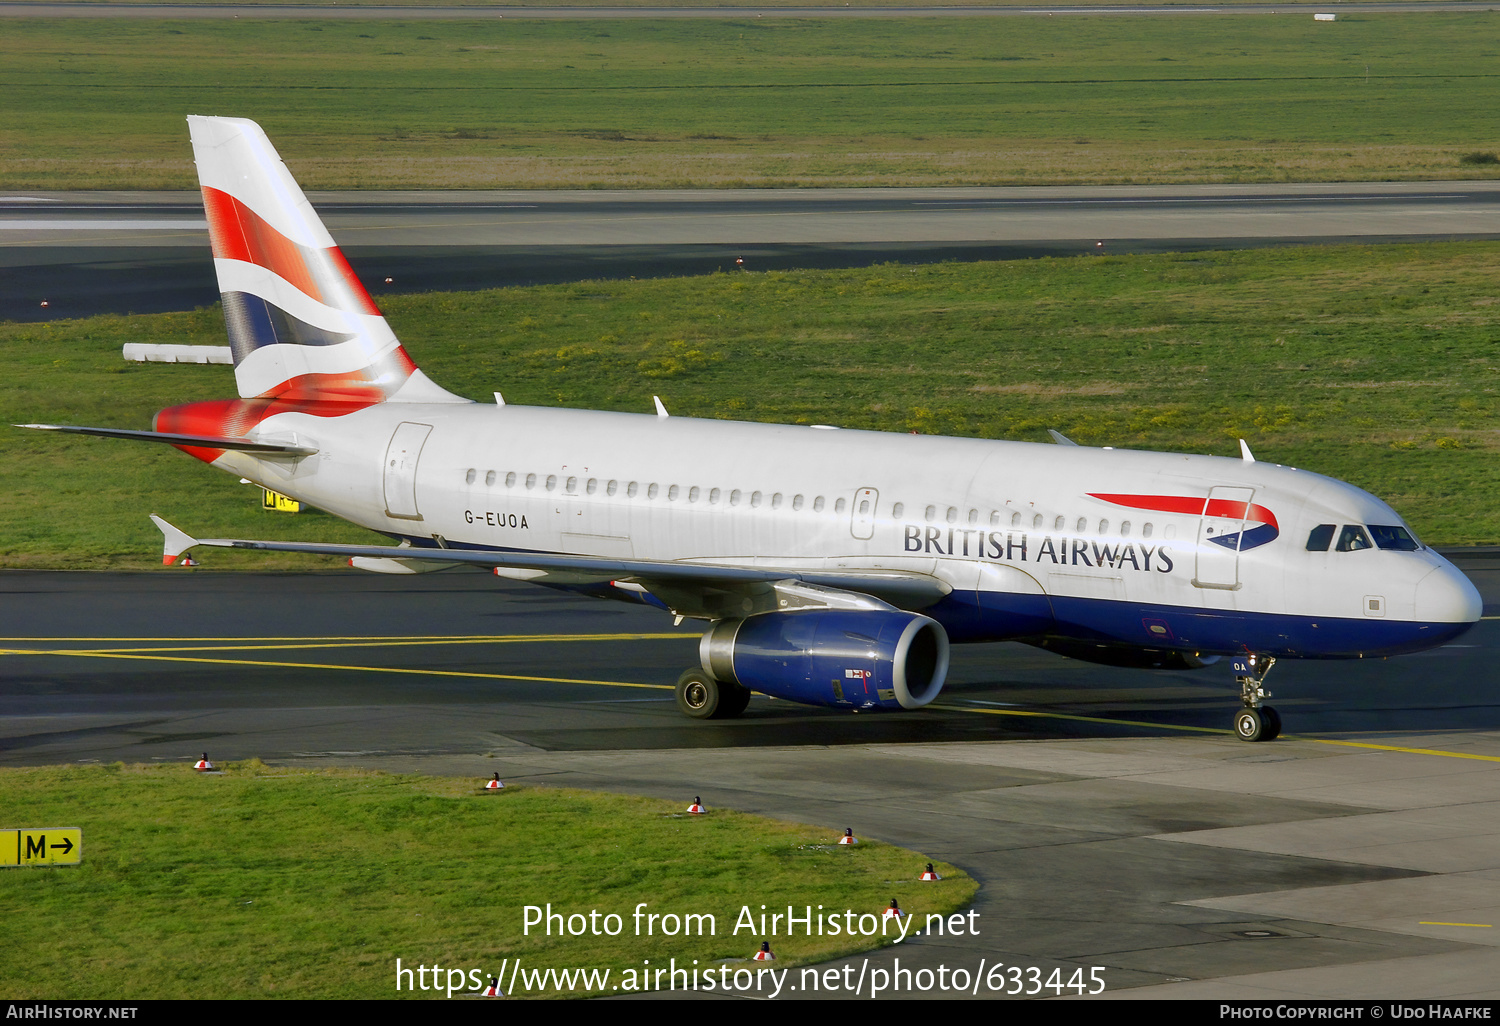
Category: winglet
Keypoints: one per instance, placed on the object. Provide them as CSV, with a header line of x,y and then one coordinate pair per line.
x,y
174,542
661,411
1245,452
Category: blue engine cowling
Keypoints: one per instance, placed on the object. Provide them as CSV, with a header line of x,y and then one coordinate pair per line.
x,y
849,659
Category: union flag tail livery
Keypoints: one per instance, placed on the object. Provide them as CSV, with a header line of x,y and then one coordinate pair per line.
x,y
301,326
829,567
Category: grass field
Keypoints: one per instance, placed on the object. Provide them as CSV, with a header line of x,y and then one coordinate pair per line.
x,y
696,3
1377,365
759,102
282,883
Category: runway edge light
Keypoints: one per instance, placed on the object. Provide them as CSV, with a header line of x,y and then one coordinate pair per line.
x,y
848,837
696,809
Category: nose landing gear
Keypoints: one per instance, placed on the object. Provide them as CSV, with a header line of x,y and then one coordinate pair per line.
x,y
1255,722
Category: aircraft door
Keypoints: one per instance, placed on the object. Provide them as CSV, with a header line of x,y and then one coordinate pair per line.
x,y
1219,533
862,514
401,470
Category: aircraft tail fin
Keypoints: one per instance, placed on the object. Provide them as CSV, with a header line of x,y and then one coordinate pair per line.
x,y
301,326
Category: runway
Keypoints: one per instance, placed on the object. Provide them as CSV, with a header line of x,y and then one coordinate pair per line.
x,y
1110,818
87,253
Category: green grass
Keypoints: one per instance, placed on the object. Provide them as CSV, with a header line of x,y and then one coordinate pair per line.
x,y
631,103
1378,365
282,883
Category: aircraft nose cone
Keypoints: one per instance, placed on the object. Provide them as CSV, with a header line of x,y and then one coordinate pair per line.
x,y
1447,596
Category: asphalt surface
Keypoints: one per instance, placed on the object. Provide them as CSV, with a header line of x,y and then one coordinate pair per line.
x,y
1107,813
110,252
273,11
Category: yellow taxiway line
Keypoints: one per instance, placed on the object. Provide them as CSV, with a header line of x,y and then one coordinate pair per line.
x,y
237,644
92,654
1214,730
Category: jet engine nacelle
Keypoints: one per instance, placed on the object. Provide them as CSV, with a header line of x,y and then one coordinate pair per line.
x,y
836,657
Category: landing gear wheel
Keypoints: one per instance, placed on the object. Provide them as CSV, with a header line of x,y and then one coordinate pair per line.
x,y
732,700
698,695
1250,725
1272,720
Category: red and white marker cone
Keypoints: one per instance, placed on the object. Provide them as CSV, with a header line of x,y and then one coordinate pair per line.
x,y
203,765
493,990
894,912
696,809
764,954
187,561
929,874
848,837
494,785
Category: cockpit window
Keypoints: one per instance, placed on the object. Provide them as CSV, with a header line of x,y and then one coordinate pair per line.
x,y
1320,538
1353,538
1398,538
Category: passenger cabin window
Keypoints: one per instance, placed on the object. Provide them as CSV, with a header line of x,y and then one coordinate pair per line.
x,y
469,477
551,482
818,504
1395,537
1036,522
1320,538
1104,527
931,514
572,485
796,502
1015,519
693,494
776,501
1083,526
898,509
489,478
652,489
592,486
671,493
1353,538
973,516
631,489
530,480
612,487
1145,530
734,497
838,506
755,500
713,496
1059,524
952,514
510,479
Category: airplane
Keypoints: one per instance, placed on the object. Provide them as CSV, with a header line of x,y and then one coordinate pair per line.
x,y
831,567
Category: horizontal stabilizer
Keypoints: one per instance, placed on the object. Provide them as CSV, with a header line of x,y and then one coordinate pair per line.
x,y
163,352
204,441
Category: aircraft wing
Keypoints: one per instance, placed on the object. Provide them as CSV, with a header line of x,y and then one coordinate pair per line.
x,y
694,589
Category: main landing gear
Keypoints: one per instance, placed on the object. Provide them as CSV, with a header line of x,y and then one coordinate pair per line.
x,y
704,698
1255,722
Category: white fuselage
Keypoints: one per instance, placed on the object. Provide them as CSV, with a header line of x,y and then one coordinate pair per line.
x,y
992,519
